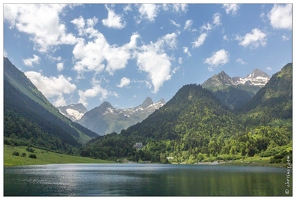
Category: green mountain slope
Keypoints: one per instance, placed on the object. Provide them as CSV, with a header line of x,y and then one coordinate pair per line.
x,y
192,113
235,96
274,101
29,119
194,126
191,108
235,92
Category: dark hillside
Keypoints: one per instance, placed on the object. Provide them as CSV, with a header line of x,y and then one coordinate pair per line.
x,y
29,119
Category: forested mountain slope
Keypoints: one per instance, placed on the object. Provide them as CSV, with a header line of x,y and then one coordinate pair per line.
x,y
235,92
194,126
192,113
274,101
29,119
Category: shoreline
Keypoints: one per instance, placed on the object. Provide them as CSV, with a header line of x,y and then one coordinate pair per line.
x,y
44,157
145,163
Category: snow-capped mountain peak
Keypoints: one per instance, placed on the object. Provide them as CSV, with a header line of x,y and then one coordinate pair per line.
x,y
73,111
257,78
106,119
148,101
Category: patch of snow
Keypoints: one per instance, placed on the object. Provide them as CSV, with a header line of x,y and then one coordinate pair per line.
x,y
74,113
258,81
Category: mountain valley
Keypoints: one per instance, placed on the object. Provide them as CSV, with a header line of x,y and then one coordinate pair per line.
x,y
106,119
195,127
222,119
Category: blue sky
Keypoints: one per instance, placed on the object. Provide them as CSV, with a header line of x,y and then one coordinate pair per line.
x,y
123,53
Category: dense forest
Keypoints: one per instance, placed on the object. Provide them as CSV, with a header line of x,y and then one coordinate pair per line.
x,y
194,126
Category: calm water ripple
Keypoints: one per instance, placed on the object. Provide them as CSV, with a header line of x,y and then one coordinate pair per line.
x,y
143,180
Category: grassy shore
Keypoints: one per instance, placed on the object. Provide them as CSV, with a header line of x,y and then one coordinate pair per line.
x,y
239,161
43,157
255,161
46,157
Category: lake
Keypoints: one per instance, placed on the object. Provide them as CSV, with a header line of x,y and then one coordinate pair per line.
x,y
145,180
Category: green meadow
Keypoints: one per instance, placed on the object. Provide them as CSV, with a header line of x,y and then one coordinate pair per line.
x,y
18,155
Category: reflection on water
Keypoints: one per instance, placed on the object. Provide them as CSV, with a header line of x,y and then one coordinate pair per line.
x,y
143,180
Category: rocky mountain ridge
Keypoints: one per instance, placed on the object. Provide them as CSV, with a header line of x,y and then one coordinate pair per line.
x,y
236,91
106,119
73,111
256,78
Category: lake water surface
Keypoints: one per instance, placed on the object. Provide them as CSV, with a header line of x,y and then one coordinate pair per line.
x,y
144,180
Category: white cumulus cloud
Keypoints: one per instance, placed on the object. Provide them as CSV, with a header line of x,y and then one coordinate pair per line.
x,y
218,58
253,39
280,16
158,66
231,8
175,7
124,82
153,59
116,57
95,91
41,22
79,22
207,27
113,20
60,66
86,27
175,24
217,19
52,87
98,55
127,8
171,40
89,56
188,24
148,11
199,41
285,37
215,23
30,61
186,51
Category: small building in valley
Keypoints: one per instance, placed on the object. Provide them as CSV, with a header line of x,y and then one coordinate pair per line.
x,y
138,145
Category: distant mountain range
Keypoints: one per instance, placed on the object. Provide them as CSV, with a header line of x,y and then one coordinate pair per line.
x,y
256,78
236,91
194,126
106,119
30,119
232,92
